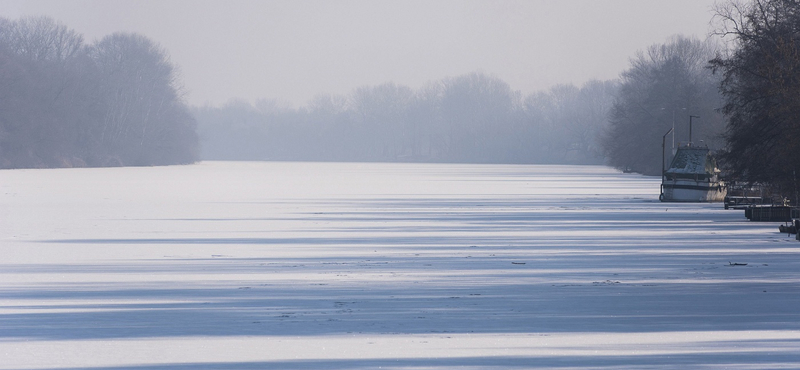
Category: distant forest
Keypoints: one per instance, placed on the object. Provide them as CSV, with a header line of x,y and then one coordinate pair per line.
x,y
473,118
478,118
64,103
118,102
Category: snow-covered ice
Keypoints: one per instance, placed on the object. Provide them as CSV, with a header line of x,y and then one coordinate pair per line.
x,y
258,265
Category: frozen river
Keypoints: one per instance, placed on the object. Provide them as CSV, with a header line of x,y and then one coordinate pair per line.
x,y
251,265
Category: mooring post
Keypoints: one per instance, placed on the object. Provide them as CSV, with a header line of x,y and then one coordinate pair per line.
x,y
690,128
663,157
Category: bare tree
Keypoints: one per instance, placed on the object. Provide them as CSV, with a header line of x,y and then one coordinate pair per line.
x,y
761,88
143,105
45,71
381,114
66,104
42,39
476,109
664,86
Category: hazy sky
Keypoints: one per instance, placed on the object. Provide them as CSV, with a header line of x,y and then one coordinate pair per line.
x,y
293,50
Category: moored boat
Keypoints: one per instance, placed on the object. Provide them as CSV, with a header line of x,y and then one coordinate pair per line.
x,y
692,176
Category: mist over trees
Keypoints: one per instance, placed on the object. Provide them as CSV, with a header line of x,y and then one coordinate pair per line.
x,y
665,84
474,118
117,101
761,88
64,103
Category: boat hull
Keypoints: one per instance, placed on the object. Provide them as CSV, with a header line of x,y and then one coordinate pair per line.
x,y
692,191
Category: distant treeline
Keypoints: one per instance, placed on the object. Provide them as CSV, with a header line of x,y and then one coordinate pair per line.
x,y
118,102
473,118
64,103
478,118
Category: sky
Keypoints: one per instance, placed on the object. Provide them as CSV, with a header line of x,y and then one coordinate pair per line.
x,y
291,51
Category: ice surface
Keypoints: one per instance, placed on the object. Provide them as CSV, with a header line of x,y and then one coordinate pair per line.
x,y
251,265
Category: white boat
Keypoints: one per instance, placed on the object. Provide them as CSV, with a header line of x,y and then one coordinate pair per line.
x,y
692,176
